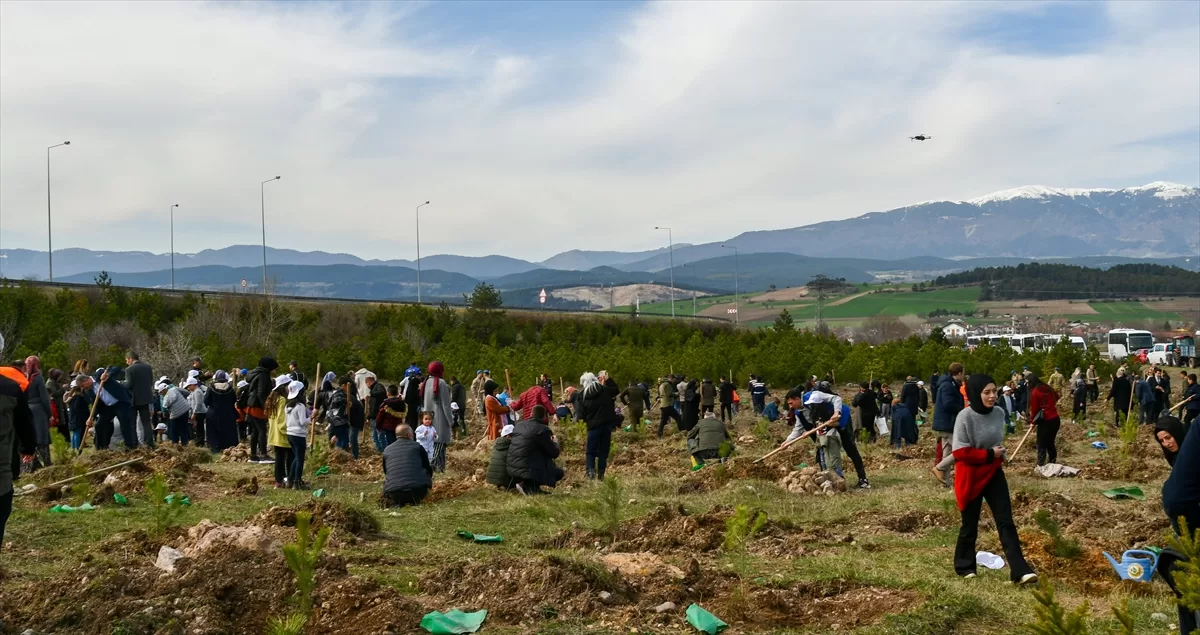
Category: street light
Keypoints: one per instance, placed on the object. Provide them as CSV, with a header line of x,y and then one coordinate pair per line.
x,y
671,251
173,245
419,250
737,316
262,197
49,227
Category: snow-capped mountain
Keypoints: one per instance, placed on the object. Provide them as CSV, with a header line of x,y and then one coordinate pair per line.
x,y
1156,220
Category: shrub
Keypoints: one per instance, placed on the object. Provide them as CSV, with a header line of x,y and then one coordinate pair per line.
x,y
1187,575
609,502
60,450
1050,618
293,624
302,556
165,512
742,526
1060,545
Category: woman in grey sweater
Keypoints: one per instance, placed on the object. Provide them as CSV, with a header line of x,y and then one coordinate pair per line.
x,y
979,476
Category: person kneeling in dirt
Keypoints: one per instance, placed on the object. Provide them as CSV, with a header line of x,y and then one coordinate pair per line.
x,y
406,469
497,469
531,455
705,440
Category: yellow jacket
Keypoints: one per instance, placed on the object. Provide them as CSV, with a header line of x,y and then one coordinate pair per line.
x,y
277,425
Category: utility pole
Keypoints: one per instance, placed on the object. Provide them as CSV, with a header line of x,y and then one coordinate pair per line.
x,y
671,252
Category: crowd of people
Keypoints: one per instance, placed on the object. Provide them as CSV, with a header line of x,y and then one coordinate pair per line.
x,y
413,423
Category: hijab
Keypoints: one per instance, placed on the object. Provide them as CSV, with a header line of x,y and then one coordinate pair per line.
x,y
328,381
590,383
33,366
975,385
1175,427
436,370
489,387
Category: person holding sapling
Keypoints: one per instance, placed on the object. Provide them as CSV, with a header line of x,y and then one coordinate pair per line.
x,y
978,449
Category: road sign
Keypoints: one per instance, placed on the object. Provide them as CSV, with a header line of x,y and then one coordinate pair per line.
x,y
731,311
244,283
542,296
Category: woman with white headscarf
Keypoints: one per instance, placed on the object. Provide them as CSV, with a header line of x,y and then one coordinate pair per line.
x,y
599,410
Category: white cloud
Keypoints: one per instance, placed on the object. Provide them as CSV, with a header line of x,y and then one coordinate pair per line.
x,y
712,117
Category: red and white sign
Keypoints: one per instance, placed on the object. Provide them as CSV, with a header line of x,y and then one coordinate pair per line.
x,y
542,296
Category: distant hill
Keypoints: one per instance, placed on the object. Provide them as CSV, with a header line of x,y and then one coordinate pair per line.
x,y
1055,281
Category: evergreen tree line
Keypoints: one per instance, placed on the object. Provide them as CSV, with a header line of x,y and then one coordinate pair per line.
x,y
100,324
1038,281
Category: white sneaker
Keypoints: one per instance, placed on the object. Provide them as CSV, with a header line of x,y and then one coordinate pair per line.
x,y
1028,578
968,576
521,489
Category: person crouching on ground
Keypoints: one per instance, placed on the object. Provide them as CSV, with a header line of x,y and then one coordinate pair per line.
x,y
979,476
296,415
407,474
390,416
497,470
771,411
707,438
531,455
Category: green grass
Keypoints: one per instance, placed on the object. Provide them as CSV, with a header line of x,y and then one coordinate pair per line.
x,y
1131,311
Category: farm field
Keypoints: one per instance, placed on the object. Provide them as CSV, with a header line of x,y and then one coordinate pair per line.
x,y
874,562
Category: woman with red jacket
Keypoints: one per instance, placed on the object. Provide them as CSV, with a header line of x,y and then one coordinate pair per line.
x,y
979,476
1042,401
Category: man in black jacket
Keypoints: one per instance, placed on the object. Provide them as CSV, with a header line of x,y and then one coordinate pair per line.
x,y
16,434
531,455
297,375
407,474
868,408
910,395
254,401
139,380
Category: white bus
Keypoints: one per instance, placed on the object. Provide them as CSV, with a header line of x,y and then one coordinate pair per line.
x,y
1077,342
997,340
973,342
1023,342
1125,342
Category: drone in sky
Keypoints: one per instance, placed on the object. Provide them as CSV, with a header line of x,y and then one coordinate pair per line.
x,y
920,137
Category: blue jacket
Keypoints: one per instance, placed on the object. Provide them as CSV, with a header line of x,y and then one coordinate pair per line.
x,y
1145,394
771,412
904,421
949,404
1181,492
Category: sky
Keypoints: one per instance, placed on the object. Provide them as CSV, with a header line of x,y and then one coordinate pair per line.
x,y
536,128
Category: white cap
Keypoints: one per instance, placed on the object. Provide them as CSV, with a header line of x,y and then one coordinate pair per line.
x,y
506,430
193,373
1007,389
817,396
294,389
164,380
191,381
453,406
159,387
243,384
282,381
161,426
920,383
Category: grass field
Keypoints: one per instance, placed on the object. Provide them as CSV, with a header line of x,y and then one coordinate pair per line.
x,y
875,562
1131,311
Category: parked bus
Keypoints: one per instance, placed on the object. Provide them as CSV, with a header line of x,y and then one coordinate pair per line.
x,y
997,340
973,342
1023,342
1125,342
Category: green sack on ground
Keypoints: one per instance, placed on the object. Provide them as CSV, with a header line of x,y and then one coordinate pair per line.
x,y
119,499
704,621
1126,492
183,500
466,535
322,471
1092,434
62,509
318,493
453,622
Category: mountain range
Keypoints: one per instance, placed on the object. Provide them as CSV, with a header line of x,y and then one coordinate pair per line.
x,y
1158,222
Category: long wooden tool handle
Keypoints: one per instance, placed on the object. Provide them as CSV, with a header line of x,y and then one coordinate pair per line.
x,y
93,473
1179,404
312,416
787,445
88,424
1013,456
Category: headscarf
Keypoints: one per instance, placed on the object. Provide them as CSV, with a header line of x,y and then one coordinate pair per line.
x,y
55,374
220,377
328,382
33,366
436,369
589,382
1175,427
489,387
975,385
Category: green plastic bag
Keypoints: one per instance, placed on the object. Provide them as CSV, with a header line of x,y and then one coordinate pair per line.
x,y
318,493
62,509
704,621
1092,434
453,622
1126,492
183,500
466,535
322,471
119,499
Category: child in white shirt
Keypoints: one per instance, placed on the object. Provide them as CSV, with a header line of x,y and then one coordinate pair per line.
x,y
297,434
426,433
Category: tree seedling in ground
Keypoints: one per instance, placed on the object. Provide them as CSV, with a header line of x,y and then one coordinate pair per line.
x,y
1187,574
1060,545
293,624
1128,435
608,504
742,526
1050,618
762,430
164,512
302,556
82,489
60,450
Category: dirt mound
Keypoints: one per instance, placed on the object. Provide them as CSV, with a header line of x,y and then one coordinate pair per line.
x,y
225,591
342,462
834,604
446,489
811,480
352,520
1090,573
236,454
914,521
140,542
666,528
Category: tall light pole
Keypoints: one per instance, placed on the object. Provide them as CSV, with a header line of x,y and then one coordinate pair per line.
x,y
419,250
671,251
173,245
695,280
737,315
262,195
49,226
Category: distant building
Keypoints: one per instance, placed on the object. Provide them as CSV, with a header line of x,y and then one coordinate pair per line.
x,y
954,330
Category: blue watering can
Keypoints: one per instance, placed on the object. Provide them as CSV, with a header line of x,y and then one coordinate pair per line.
x,y
1136,564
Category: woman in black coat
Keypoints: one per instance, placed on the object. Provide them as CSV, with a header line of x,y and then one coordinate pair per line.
x,y
691,405
221,422
599,410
